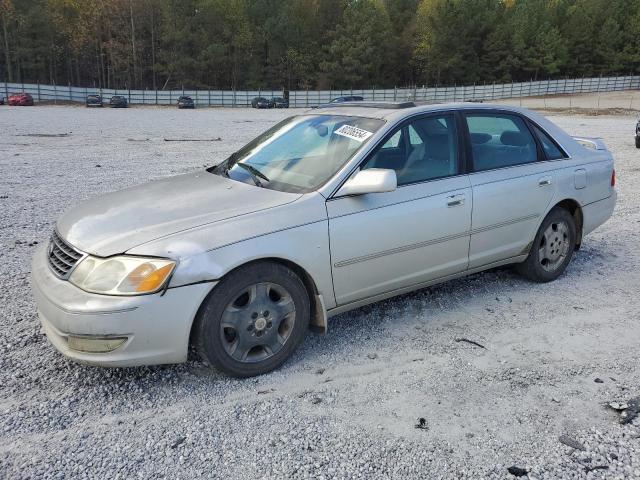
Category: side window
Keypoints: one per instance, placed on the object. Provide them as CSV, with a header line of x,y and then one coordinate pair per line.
x,y
427,148
551,151
499,140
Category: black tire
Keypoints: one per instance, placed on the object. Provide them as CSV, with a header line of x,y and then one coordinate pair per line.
x,y
550,254
239,315
637,142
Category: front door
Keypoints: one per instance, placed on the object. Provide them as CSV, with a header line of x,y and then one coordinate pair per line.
x,y
382,242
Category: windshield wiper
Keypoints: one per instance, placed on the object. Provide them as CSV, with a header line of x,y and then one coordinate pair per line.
x,y
256,174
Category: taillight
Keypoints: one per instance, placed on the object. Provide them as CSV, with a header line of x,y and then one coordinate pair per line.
x,y
613,177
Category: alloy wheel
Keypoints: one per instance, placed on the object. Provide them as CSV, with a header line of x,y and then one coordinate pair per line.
x,y
257,323
554,246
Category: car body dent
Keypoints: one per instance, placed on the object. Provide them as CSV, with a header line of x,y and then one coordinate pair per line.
x,y
157,329
295,232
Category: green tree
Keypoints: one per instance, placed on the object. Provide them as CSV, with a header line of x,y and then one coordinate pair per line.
x,y
449,46
7,16
358,55
313,43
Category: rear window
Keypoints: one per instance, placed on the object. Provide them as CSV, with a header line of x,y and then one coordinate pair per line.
x,y
551,150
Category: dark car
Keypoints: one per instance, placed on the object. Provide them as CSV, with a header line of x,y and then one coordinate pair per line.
x,y
638,133
94,101
261,102
350,98
186,102
118,101
20,100
279,102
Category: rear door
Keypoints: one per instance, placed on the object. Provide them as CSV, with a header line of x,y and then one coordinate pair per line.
x,y
512,187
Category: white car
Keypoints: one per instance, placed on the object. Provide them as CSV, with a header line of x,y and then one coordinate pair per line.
x,y
327,211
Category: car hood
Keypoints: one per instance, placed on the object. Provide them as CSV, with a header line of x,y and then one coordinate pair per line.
x,y
118,221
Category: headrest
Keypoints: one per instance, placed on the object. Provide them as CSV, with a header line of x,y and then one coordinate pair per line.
x,y
480,138
513,138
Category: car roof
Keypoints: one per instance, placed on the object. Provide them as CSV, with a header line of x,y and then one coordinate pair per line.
x,y
398,110
392,114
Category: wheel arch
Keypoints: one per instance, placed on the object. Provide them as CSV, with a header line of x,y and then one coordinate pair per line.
x,y
318,317
575,209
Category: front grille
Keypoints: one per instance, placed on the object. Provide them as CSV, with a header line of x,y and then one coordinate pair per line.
x,y
62,256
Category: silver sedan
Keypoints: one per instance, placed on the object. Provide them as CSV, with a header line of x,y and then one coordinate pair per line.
x,y
327,211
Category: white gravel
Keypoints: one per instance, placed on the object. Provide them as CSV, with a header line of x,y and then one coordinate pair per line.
x,y
385,366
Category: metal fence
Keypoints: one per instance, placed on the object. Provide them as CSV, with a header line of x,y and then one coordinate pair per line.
x,y
310,98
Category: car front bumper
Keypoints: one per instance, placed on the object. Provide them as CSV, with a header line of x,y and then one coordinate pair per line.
x,y
146,329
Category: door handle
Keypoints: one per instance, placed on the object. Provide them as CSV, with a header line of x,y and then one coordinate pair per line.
x,y
543,182
455,200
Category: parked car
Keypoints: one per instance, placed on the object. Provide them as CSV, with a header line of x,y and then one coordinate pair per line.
x,y
261,102
351,98
94,101
20,100
186,102
118,101
279,102
324,212
638,133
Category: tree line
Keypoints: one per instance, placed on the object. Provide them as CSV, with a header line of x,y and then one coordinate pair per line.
x,y
300,44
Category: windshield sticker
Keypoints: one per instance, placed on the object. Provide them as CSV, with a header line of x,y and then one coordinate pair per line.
x,y
353,132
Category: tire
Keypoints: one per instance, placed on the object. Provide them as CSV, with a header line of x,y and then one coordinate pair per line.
x,y
637,142
552,247
253,320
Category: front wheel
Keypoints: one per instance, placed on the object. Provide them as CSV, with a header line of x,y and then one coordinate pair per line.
x,y
253,320
552,247
637,142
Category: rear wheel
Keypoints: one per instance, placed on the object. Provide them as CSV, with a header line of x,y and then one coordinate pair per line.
x,y
637,142
552,247
253,320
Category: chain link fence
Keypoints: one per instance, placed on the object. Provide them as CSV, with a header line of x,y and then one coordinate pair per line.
x,y
310,98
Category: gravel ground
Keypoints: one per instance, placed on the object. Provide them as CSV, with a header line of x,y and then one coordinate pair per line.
x,y
346,405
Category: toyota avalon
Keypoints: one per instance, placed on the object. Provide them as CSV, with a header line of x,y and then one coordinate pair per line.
x,y
324,212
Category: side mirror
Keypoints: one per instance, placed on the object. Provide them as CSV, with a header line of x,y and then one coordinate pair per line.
x,y
371,180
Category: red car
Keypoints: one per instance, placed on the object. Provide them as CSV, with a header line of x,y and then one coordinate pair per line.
x,y
21,100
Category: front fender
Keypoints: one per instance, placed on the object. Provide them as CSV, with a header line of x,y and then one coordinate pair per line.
x,y
307,246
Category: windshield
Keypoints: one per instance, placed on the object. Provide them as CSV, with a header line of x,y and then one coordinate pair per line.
x,y
300,153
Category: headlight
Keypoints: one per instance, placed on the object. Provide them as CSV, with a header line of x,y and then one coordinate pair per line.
x,y
122,275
